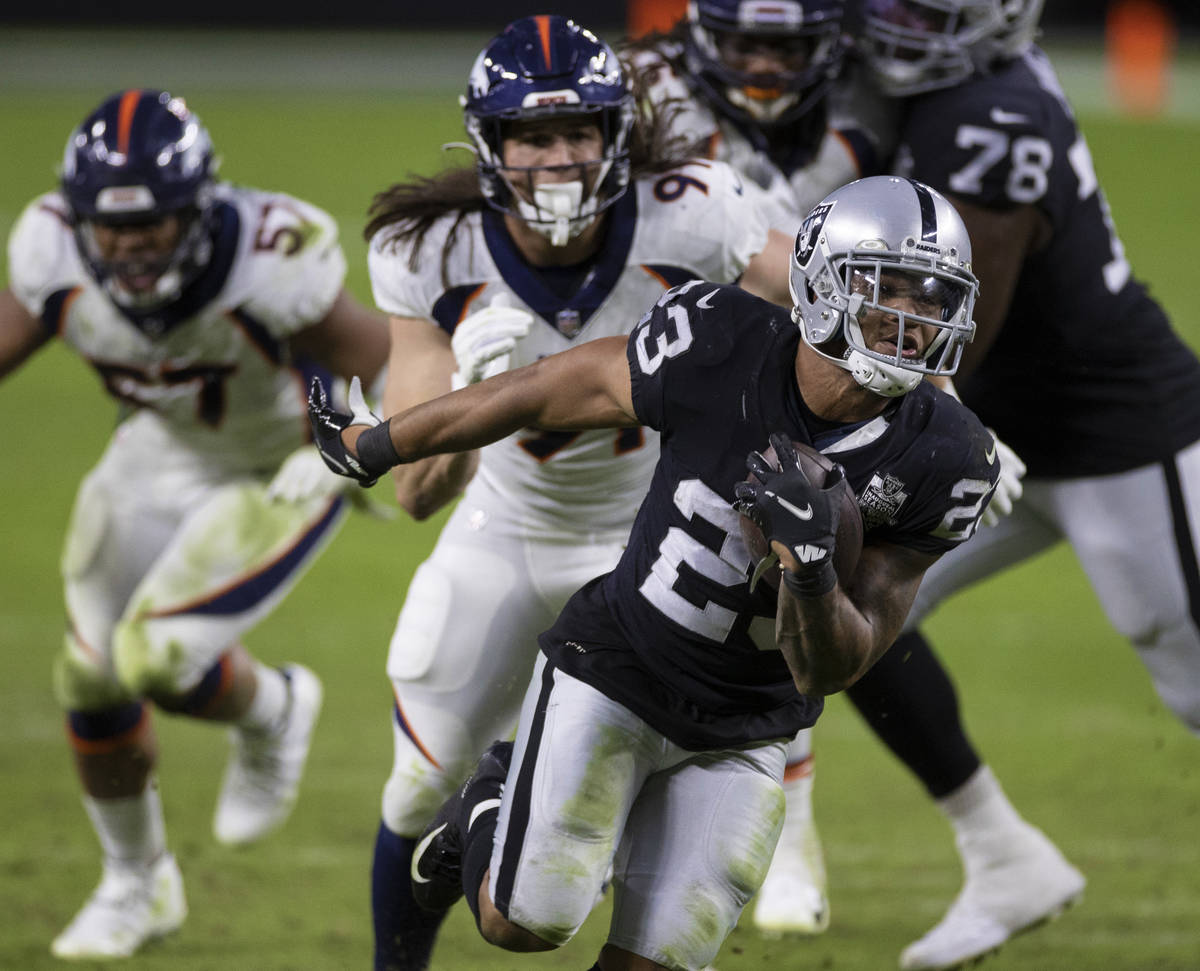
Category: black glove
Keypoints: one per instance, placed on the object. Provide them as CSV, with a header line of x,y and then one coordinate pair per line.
x,y
327,426
789,509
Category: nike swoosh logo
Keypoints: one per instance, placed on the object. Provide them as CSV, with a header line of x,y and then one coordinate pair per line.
x,y
705,302
805,513
480,808
419,852
1002,117
990,454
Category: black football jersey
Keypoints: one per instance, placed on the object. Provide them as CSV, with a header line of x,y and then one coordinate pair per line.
x,y
674,632
1087,376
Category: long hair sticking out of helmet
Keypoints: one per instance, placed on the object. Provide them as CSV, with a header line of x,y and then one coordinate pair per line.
x,y
139,157
637,142
804,35
911,46
860,245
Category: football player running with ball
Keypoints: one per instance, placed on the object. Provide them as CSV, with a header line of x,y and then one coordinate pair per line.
x,y
653,736
1075,366
205,309
766,88
573,221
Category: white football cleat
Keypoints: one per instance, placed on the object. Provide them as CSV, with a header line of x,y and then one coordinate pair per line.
x,y
263,778
131,906
1008,890
793,899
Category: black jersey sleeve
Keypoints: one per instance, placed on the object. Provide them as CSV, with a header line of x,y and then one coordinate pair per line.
x,y
676,350
929,494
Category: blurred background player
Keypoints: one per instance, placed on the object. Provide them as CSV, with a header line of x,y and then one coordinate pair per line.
x,y
1074,365
766,88
574,220
203,308
653,734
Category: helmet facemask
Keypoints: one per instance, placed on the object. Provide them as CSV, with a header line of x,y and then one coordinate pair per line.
x,y
173,269
912,46
558,210
547,67
806,48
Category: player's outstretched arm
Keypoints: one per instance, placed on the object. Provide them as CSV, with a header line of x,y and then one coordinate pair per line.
x,y
20,333
585,387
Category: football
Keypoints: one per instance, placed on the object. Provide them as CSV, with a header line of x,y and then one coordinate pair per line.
x,y
816,466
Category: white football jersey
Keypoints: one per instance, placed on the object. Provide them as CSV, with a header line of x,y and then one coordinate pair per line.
x,y
689,223
860,132
214,368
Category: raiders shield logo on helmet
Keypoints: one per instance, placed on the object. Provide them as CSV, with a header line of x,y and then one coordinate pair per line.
x,y
810,231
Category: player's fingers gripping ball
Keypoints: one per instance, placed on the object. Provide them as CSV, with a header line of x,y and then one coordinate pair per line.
x,y
798,497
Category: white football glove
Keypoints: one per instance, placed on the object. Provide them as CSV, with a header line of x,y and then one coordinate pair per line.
x,y
483,341
1008,488
304,476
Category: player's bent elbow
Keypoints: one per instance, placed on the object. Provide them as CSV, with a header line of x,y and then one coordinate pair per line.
x,y
820,676
419,505
424,488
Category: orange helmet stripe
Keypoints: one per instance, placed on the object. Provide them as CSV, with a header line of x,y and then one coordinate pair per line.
x,y
125,112
543,23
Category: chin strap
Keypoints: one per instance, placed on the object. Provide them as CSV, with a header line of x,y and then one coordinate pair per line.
x,y
885,380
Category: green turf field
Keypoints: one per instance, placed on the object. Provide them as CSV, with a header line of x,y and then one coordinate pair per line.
x,y
1055,699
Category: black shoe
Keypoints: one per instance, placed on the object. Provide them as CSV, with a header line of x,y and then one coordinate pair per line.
x,y
437,861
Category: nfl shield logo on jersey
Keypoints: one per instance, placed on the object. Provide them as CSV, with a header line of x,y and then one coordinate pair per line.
x,y
568,323
881,500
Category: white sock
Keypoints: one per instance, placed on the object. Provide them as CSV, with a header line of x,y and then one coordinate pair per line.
x,y
271,701
131,828
800,748
798,811
979,808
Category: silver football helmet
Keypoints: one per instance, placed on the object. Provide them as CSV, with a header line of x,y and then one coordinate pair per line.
x,y
912,46
885,250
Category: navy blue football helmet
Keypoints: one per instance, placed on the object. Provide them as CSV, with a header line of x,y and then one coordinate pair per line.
x,y
138,158
549,67
803,36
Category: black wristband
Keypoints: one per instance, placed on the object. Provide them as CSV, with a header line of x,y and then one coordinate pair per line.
x,y
810,584
376,453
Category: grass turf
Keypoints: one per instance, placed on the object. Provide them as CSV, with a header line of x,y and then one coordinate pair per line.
x,y
1054,698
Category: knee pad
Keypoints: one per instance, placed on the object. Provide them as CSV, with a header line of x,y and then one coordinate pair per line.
x,y
421,623
83,681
